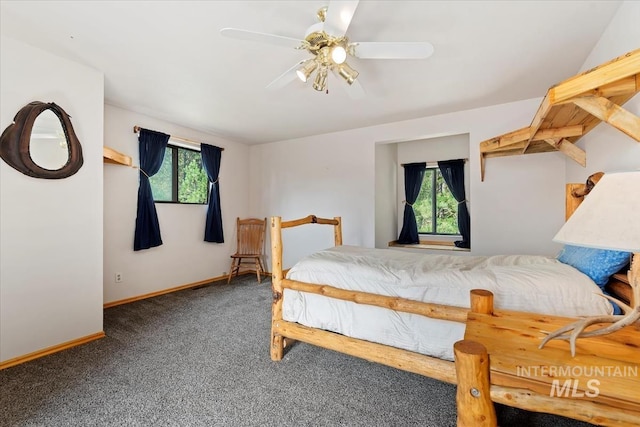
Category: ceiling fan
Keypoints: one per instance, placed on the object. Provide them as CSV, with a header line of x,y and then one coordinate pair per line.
x,y
330,48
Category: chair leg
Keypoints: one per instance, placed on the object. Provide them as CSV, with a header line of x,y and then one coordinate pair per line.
x,y
233,261
258,268
262,270
238,267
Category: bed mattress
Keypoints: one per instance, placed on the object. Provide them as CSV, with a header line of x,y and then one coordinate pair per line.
x,y
526,283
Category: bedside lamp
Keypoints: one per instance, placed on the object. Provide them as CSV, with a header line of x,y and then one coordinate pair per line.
x,y
608,218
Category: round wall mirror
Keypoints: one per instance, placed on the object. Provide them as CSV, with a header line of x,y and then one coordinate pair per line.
x,y
41,142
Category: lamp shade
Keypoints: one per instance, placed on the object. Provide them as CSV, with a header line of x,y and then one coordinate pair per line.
x,y
609,216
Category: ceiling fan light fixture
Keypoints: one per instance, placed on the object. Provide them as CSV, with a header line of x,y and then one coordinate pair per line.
x,y
330,45
347,73
308,67
320,82
338,54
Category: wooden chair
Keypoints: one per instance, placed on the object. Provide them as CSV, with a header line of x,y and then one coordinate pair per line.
x,y
250,246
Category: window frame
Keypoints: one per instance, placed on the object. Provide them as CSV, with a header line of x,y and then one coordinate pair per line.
x,y
174,177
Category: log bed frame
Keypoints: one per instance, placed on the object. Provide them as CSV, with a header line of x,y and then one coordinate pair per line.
x,y
478,389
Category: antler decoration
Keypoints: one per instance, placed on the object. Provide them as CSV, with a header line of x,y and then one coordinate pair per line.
x,y
631,315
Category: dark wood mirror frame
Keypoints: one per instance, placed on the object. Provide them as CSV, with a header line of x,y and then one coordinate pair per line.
x,y
16,138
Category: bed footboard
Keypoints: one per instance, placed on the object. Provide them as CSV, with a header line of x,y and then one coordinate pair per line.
x,y
283,333
277,339
499,361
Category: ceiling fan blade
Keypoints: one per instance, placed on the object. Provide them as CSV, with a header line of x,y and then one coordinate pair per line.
x,y
339,15
354,90
283,41
285,78
392,50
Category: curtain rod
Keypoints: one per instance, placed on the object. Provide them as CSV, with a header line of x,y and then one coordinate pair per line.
x,y
136,129
432,163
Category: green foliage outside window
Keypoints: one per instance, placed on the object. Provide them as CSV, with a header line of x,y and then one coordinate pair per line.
x,y
181,178
436,209
193,185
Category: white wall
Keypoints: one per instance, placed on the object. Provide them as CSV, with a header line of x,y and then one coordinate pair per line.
x,y
325,175
434,149
51,245
386,189
184,257
607,148
518,208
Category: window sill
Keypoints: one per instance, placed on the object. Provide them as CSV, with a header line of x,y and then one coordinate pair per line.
x,y
431,245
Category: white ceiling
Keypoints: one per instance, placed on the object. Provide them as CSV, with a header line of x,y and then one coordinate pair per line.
x,y
168,60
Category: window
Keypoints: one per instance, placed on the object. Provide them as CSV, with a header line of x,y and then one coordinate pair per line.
x,y
436,209
181,178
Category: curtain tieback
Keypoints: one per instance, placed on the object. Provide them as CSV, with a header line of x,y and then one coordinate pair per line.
x,y
462,201
410,204
216,181
141,170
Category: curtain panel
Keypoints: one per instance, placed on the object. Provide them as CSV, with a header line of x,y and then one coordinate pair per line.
x,y
413,175
211,157
152,146
453,174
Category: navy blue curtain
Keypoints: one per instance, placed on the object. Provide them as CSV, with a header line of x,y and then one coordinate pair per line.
x,y
453,173
413,174
152,145
211,163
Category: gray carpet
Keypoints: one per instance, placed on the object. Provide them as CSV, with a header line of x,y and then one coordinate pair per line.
x,y
201,358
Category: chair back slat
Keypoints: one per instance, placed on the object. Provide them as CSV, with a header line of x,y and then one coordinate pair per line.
x,y
251,236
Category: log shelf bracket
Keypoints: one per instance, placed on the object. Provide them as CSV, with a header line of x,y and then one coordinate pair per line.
x,y
571,109
109,155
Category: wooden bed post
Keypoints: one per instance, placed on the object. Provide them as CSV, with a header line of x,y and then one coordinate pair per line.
x,y
572,202
337,231
473,397
481,301
277,341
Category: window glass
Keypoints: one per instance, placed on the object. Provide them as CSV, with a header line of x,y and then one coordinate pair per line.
x,y
193,185
436,209
181,178
161,181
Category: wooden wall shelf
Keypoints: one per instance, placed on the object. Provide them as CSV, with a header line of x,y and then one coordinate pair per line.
x,y
109,155
571,109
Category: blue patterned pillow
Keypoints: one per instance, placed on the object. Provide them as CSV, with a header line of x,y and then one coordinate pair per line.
x,y
598,264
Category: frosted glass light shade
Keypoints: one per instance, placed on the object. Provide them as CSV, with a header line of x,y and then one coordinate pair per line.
x,y
338,55
306,69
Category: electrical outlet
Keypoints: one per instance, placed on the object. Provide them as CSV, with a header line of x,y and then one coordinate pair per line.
x,y
118,277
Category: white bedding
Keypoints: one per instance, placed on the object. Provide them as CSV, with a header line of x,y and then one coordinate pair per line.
x,y
519,282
